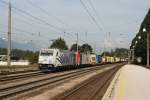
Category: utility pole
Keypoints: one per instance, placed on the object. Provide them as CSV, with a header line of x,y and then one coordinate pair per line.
x,y
147,49
133,55
144,30
9,36
77,42
104,52
129,56
86,42
85,37
94,47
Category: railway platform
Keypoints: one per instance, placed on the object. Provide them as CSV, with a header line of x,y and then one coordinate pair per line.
x,y
131,82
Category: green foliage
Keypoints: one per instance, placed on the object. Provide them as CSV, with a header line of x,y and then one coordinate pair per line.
x,y
60,44
140,48
106,54
119,52
86,48
21,54
74,47
3,51
146,22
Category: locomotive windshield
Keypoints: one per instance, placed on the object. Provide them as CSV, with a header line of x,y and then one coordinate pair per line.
x,y
46,53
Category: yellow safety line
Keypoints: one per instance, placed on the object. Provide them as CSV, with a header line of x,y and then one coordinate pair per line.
x,y
122,87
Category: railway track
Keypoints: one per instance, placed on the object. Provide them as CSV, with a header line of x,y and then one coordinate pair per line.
x,y
16,88
92,89
10,77
21,76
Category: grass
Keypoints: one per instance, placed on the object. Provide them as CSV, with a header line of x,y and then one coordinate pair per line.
x,y
16,69
19,66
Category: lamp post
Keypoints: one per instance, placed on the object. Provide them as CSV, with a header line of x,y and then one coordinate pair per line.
x,y
132,53
129,56
77,42
144,30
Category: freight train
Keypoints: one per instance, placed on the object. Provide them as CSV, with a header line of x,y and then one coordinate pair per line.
x,y
55,59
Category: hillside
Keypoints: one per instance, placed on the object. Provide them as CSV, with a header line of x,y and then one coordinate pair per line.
x,y
15,45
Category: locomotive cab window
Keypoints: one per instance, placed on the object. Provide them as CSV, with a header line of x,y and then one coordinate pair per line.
x,y
57,54
47,53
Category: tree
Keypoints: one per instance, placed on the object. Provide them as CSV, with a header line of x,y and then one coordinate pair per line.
x,y
21,54
74,47
106,53
146,22
60,44
86,48
3,51
140,48
121,52
118,52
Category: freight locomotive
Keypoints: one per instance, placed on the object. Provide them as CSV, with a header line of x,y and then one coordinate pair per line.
x,y
55,59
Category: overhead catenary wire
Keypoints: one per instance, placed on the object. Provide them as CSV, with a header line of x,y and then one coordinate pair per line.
x,y
31,35
91,16
40,27
22,30
45,12
34,17
18,33
26,38
96,13
18,29
25,14
38,19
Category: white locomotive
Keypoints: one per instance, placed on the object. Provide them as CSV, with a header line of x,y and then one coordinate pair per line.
x,y
54,58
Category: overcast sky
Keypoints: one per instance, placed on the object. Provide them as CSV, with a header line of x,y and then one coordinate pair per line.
x,y
122,18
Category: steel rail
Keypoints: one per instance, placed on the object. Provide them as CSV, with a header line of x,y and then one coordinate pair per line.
x,y
72,92
7,91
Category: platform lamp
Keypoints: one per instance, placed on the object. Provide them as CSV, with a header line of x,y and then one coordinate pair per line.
x,y
139,37
133,47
